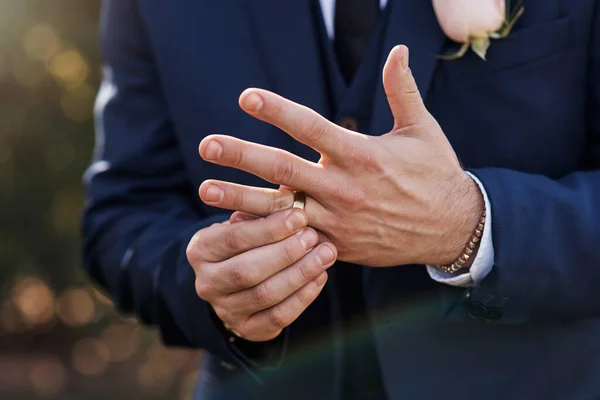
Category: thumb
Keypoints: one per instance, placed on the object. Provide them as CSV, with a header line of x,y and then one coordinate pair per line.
x,y
401,89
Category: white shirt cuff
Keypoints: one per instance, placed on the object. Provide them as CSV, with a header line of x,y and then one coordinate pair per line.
x,y
484,261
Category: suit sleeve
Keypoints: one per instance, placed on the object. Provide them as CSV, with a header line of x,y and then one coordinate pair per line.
x,y
141,209
546,234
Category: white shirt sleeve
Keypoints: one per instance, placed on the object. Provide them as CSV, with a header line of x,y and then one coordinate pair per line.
x,y
484,261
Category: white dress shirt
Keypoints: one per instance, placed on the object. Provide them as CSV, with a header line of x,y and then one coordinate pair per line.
x,y
484,262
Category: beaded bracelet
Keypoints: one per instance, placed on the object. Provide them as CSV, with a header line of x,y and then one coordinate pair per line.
x,y
468,251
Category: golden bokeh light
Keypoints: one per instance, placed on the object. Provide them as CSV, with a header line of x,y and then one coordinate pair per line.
x,y
69,67
76,307
121,340
78,103
41,42
60,338
90,357
35,301
48,377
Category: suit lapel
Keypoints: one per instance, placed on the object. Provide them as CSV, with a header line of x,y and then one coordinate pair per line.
x,y
285,33
412,23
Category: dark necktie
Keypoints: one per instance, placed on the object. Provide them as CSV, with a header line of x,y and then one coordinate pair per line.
x,y
354,23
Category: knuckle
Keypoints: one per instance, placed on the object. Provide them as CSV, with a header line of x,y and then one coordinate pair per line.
x,y
239,276
360,195
203,289
352,197
283,169
306,297
370,160
307,271
237,157
413,91
277,202
262,295
277,318
205,246
235,240
316,130
238,200
192,251
273,231
290,251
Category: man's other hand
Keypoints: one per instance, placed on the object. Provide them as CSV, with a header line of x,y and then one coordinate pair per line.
x,y
259,275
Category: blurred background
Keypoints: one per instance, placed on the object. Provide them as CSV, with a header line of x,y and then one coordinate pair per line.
x,y
60,338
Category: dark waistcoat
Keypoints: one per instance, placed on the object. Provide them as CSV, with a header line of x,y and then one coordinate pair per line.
x,y
351,106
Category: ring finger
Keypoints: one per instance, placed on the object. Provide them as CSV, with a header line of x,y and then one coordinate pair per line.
x,y
283,314
253,267
280,286
258,201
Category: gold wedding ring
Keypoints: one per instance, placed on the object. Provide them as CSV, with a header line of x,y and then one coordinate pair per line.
x,y
299,200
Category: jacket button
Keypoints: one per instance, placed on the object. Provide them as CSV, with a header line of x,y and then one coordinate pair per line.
x,y
476,310
350,124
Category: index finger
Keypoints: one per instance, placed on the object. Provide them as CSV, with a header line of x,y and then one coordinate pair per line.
x,y
269,163
224,241
303,124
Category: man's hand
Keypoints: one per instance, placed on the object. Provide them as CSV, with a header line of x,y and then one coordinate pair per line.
x,y
400,198
259,275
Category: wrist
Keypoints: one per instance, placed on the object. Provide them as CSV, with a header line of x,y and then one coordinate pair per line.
x,y
464,216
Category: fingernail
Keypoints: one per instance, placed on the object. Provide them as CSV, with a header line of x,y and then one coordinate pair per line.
x,y
214,194
308,239
321,279
325,255
295,221
405,59
213,150
252,102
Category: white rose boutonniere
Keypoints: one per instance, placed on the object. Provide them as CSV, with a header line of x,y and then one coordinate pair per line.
x,y
475,22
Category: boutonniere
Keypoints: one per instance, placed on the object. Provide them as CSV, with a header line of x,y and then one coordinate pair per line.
x,y
475,22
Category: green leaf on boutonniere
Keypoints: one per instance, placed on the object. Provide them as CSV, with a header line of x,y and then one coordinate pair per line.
x,y
480,46
510,21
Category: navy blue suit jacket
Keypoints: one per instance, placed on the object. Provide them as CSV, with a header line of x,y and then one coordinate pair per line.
x,y
526,123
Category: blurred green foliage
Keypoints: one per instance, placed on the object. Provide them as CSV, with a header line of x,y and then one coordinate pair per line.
x,y
59,337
